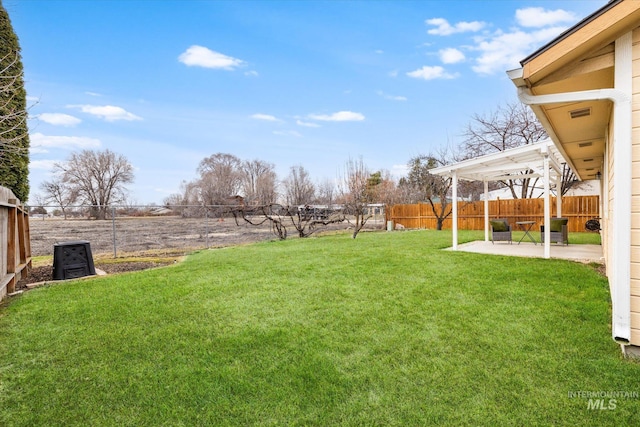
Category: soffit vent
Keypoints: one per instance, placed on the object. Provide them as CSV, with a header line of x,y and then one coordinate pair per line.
x,y
587,160
585,144
583,112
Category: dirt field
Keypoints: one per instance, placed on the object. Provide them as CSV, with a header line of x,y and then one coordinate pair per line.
x,y
150,233
142,234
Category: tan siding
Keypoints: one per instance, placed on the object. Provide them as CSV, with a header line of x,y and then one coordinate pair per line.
x,y
635,319
635,254
635,269
635,288
635,336
608,184
635,182
635,154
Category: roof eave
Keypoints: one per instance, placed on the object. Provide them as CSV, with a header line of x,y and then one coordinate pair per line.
x,y
611,4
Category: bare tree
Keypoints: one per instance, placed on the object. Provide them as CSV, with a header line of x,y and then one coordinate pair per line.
x,y
38,205
220,178
388,191
568,181
188,202
173,201
432,188
98,177
258,182
508,127
60,193
299,189
12,119
356,191
306,221
326,192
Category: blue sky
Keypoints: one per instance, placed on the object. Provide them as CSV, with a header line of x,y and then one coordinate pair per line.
x,y
311,83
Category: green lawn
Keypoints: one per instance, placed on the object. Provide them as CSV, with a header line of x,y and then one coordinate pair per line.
x,y
382,330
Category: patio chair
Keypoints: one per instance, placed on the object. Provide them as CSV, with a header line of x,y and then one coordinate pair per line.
x,y
500,230
558,229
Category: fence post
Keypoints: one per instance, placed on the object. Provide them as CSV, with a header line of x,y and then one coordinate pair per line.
x,y
206,227
113,222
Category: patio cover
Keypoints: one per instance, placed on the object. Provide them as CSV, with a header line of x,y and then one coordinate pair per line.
x,y
540,160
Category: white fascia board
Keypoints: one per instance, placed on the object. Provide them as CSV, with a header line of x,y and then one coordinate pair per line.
x,y
517,76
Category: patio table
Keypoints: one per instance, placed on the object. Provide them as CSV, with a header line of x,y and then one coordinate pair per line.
x,y
526,227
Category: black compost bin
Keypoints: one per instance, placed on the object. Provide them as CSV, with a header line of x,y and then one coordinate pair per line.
x,y
72,260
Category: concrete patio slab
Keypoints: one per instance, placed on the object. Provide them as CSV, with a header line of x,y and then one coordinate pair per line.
x,y
581,253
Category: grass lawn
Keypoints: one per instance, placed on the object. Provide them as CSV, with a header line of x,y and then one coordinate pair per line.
x,y
382,330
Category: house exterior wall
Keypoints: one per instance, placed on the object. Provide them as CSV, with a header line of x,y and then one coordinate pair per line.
x,y
635,194
607,208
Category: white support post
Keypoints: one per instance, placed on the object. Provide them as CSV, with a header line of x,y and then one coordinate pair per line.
x,y
558,197
486,210
454,207
547,209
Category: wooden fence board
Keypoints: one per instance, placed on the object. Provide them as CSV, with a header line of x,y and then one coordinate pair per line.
x,y
579,209
15,242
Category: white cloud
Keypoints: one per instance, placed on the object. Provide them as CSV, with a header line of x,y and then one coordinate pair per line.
x,y
59,119
446,29
252,73
41,143
451,56
287,133
340,116
93,94
266,117
200,56
42,164
391,97
393,73
431,73
503,51
539,17
379,51
307,124
497,51
110,113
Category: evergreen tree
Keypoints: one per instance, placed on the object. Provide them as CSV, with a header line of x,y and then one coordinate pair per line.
x,y
14,135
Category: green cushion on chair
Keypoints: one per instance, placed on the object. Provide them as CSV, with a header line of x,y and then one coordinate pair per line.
x,y
557,223
499,226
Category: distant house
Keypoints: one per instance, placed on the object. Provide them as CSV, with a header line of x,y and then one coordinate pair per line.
x,y
584,86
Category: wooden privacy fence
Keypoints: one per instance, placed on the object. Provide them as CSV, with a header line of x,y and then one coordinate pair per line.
x,y
578,209
15,242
